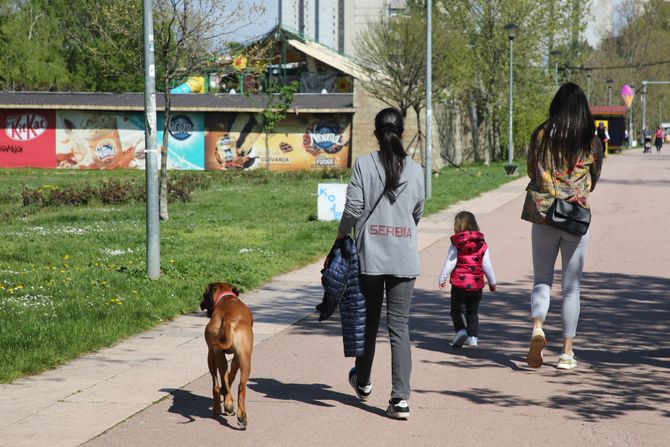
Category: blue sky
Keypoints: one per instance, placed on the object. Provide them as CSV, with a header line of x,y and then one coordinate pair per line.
x,y
262,25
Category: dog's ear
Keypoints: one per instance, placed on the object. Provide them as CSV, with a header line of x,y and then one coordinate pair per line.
x,y
207,302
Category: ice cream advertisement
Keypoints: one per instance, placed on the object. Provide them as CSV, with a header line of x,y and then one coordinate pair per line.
x,y
185,140
237,141
627,93
97,140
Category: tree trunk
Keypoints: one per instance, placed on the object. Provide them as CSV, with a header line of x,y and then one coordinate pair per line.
x,y
497,148
163,179
476,148
420,135
486,134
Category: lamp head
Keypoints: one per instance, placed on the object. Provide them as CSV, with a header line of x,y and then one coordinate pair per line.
x,y
511,30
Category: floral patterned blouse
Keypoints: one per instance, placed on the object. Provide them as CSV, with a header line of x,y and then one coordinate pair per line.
x,y
573,185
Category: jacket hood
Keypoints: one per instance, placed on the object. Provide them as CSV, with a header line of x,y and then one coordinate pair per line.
x,y
469,240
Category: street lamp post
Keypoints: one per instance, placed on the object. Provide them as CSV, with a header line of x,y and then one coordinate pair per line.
x,y
588,86
609,91
151,148
428,182
511,168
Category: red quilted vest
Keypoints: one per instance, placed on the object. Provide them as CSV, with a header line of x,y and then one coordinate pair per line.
x,y
468,273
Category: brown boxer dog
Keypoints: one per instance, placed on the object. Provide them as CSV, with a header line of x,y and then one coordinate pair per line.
x,y
229,331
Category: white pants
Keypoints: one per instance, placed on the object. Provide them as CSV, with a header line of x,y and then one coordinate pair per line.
x,y
547,241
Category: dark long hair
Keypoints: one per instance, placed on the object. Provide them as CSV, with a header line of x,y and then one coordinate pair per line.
x,y
388,129
566,136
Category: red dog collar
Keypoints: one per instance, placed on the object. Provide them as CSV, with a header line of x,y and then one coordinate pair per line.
x,y
224,294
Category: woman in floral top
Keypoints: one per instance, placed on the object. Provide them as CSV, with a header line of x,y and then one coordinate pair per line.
x,y
564,160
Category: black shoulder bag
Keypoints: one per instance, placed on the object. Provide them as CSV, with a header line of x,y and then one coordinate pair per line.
x,y
568,216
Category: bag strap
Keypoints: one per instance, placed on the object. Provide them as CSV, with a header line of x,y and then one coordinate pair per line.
x,y
369,215
356,235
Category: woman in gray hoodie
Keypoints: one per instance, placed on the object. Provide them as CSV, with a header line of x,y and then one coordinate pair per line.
x,y
384,204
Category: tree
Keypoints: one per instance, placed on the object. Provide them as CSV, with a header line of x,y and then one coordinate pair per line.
x,y
638,49
543,26
278,100
392,54
185,30
104,44
32,56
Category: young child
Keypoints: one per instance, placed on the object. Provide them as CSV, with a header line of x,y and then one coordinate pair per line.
x,y
466,265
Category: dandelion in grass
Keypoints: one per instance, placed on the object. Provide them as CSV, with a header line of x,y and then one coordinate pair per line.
x,y
117,300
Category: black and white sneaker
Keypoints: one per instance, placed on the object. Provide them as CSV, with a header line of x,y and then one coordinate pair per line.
x,y
398,409
363,392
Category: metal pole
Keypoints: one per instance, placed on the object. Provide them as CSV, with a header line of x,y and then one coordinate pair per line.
x,y
644,105
510,142
631,132
151,149
588,88
429,97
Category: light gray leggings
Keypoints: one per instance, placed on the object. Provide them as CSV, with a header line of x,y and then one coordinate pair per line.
x,y
547,241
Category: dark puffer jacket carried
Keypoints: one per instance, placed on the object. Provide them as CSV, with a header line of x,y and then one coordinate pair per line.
x,y
340,282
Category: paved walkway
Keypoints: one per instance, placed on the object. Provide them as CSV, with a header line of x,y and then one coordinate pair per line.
x,y
154,389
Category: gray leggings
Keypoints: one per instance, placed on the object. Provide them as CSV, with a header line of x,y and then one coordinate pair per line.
x,y
547,241
398,300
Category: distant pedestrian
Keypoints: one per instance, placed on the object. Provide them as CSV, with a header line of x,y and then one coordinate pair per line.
x,y
564,161
468,262
659,139
646,139
603,136
384,203
626,137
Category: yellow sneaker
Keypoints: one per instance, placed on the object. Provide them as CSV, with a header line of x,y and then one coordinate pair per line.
x,y
535,358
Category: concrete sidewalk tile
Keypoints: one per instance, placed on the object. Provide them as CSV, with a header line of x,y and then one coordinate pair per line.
x,y
66,424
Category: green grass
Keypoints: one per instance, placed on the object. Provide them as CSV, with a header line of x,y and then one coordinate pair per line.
x,y
73,279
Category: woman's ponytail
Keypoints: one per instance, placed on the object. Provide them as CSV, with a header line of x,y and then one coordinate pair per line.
x,y
389,129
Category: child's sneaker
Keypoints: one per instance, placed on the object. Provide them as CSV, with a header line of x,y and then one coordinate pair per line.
x,y
363,392
535,358
471,342
566,361
459,339
398,409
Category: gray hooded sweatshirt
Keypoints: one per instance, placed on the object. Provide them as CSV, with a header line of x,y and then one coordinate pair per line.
x,y
388,243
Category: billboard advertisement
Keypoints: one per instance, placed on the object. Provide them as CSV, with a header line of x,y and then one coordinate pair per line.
x,y
186,141
27,138
306,141
99,140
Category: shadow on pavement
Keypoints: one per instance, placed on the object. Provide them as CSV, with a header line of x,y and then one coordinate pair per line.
x,y
318,394
192,406
622,344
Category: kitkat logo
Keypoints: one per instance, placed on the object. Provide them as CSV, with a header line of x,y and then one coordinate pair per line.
x,y
25,127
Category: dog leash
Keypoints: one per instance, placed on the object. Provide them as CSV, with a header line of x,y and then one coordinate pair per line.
x,y
223,295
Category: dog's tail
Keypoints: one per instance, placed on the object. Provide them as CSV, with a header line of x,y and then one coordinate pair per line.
x,y
225,340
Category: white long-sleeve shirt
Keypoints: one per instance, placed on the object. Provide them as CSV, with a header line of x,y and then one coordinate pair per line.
x,y
450,264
